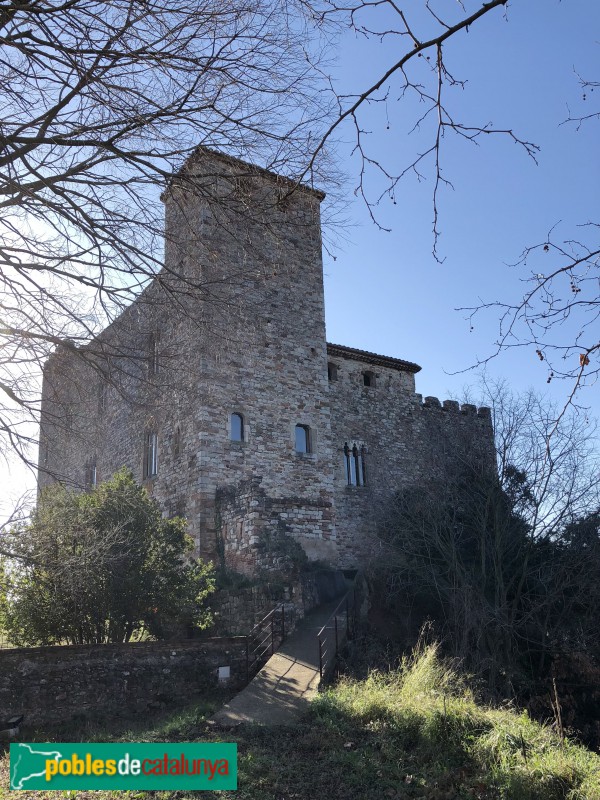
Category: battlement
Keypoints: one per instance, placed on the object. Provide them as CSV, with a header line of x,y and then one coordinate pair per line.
x,y
454,407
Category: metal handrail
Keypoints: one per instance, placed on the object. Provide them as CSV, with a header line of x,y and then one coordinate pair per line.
x,y
336,614
266,630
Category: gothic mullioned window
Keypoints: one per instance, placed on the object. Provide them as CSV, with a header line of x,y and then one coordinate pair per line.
x,y
354,465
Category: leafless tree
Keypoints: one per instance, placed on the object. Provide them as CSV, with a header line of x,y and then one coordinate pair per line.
x,y
557,315
485,555
100,104
417,71
560,460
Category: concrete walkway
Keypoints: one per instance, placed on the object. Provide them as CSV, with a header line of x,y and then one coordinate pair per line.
x,y
279,694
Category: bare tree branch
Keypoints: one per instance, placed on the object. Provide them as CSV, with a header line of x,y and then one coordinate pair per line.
x,y
101,104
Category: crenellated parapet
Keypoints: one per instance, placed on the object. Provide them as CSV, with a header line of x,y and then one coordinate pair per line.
x,y
454,407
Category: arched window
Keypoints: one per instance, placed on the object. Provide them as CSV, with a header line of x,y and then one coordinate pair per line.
x,y
150,467
302,439
354,464
237,428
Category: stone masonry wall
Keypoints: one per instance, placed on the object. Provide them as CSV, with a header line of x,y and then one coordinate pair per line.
x,y
407,440
238,315
50,685
264,355
237,611
235,324
262,534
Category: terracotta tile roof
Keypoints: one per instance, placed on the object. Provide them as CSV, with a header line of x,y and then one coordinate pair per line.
x,y
341,351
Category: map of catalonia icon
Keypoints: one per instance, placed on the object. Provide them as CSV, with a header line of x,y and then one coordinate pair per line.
x,y
122,766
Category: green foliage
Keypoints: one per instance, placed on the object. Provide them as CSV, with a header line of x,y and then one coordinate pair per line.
x,y
103,566
3,599
425,707
414,732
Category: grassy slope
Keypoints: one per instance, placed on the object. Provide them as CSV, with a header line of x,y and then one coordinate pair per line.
x,y
415,733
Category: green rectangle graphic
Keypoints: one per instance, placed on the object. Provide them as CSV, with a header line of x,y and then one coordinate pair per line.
x,y
59,765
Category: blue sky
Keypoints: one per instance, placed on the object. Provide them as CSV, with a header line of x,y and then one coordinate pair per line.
x,y
385,292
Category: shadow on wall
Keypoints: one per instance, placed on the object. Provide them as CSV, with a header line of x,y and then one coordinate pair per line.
x,y
321,586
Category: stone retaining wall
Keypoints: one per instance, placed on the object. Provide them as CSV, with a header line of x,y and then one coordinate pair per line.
x,y
51,685
236,611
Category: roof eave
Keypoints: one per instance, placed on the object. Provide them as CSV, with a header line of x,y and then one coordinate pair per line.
x,y
341,351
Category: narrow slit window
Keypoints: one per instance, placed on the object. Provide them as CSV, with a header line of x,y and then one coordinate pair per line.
x,y
69,417
283,200
153,353
302,439
150,455
91,475
332,371
237,428
102,396
177,443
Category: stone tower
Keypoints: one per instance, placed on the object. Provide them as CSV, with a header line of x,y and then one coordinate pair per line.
x,y
233,329
217,388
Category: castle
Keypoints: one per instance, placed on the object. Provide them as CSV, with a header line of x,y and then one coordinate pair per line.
x,y
217,387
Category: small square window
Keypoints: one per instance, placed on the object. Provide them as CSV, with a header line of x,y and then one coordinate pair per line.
x,y
369,379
